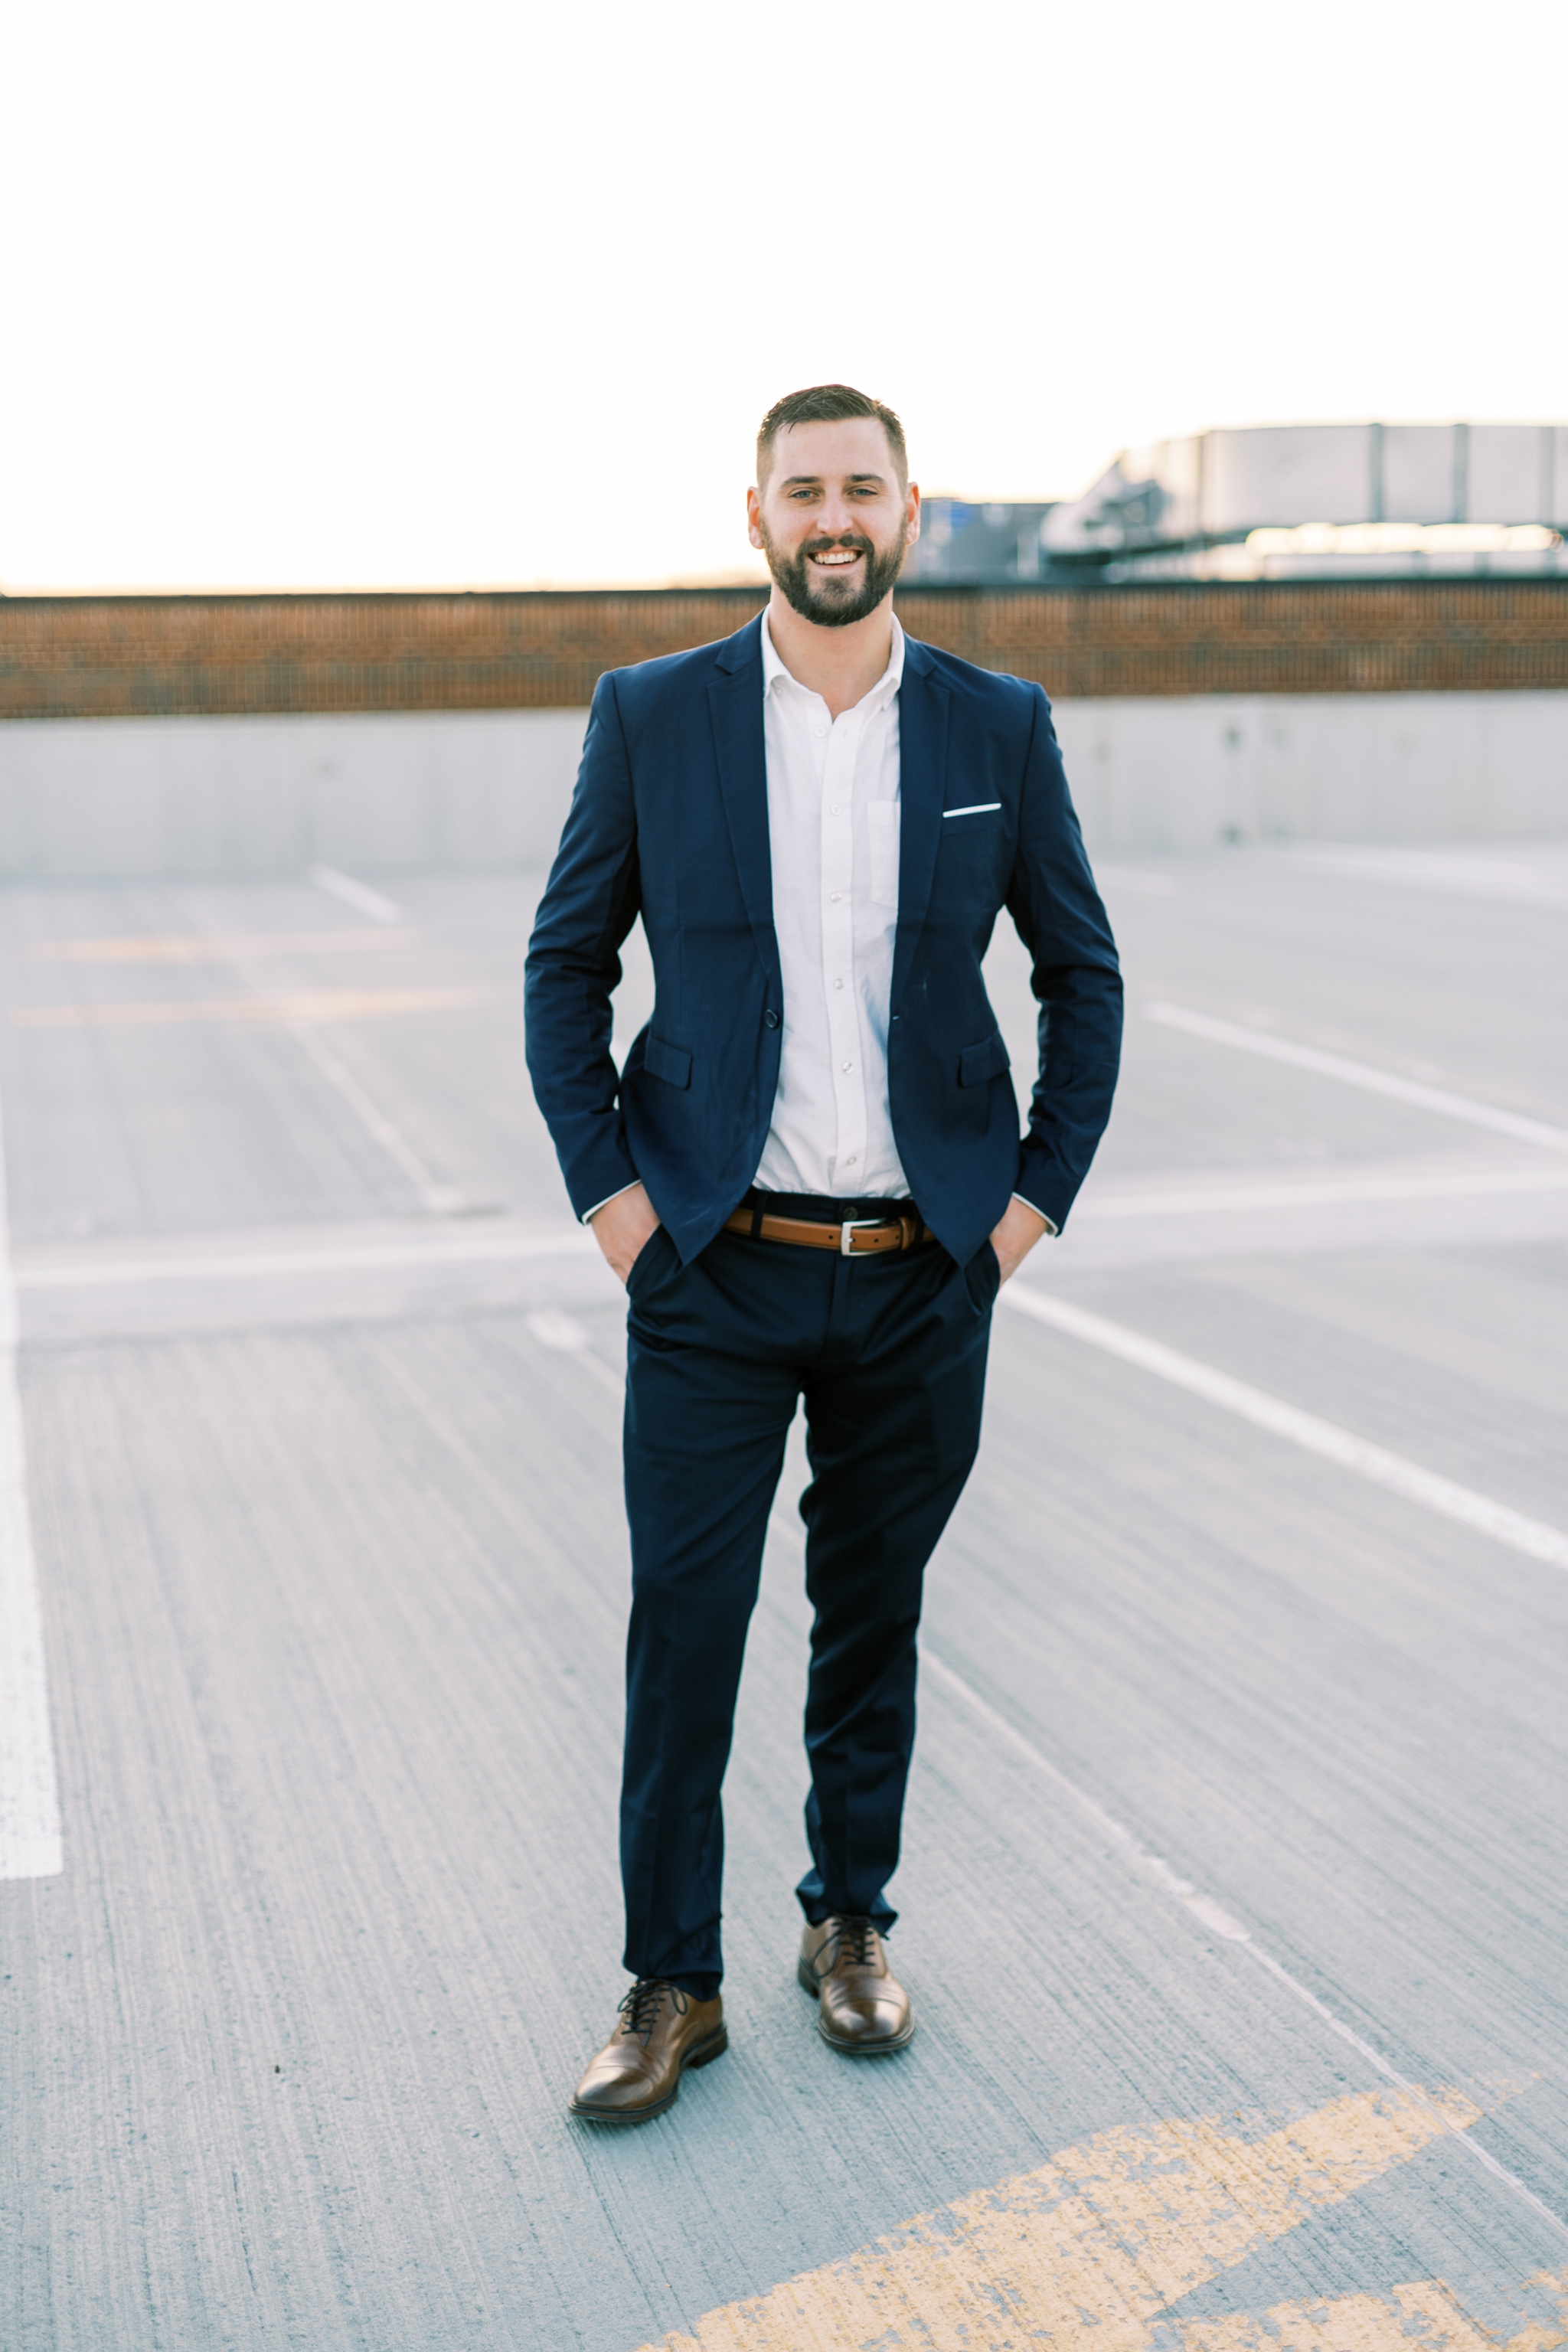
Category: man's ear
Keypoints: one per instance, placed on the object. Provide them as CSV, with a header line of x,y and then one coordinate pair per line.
x,y
754,516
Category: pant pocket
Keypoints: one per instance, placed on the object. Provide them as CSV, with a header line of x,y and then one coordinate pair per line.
x,y
648,1260
983,1276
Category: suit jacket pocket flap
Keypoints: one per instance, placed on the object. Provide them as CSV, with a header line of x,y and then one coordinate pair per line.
x,y
666,1061
986,1060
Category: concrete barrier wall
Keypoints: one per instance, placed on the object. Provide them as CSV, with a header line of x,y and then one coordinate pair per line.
x,y
1183,774
403,791
388,791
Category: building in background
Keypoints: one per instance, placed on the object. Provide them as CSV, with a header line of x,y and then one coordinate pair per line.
x,y
963,545
1288,501
1331,633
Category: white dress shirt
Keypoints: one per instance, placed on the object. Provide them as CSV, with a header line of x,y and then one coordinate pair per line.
x,y
833,829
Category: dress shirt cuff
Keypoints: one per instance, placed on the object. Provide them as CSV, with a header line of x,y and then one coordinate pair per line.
x,y
1050,1227
589,1215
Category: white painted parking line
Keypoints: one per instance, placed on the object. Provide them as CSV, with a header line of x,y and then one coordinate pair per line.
x,y
438,1199
441,1199
1362,1073
1542,883
1214,1200
289,1008
355,894
197,947
1217,1920
1209,1914
554,1329
564,1332
30,1844
1127,878
496,1248
1326,1192
1505,1526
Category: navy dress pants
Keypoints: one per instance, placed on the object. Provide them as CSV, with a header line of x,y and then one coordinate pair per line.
x,y
888,1353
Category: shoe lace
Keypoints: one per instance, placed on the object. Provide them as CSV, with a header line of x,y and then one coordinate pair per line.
x,y
641,2006
854,1940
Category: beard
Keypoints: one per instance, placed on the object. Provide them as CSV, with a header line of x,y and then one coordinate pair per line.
x,y
825,597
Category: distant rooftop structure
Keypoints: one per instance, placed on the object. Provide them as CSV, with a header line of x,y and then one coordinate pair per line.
x,y
1286,501
982,546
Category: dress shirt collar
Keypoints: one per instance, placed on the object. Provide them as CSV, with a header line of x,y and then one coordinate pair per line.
x,y
880,696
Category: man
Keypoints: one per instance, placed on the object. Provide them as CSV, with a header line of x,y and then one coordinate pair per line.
x,y
809,1175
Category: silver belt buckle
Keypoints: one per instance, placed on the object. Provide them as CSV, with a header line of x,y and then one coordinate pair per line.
x,y
854,1225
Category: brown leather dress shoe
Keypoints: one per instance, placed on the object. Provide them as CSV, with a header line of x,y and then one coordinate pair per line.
x,y
637,2072
863,2010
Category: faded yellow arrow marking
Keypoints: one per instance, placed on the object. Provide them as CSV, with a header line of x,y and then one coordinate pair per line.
x,y
1425,2317
1087,2251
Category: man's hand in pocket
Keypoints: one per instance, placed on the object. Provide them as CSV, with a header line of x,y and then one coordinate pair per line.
x,y
1016,1237
623,1228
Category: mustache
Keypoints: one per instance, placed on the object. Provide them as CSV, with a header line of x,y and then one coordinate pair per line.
x,y
854,539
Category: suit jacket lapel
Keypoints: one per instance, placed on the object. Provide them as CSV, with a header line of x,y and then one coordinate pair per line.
x,y
735,702
924,702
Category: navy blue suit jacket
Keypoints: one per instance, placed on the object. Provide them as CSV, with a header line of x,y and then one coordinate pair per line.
x,y
669,820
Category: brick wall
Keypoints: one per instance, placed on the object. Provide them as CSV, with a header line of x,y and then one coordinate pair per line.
x,y
115,656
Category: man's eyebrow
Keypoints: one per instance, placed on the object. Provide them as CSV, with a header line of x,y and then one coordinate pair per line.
x,y
797,481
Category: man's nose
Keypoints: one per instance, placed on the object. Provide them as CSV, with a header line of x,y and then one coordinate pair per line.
x,y
837,516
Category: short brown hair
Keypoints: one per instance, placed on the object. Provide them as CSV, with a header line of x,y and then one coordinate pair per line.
x,y
827,403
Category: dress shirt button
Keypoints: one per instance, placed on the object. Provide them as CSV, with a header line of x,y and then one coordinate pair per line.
x,y
838,984
834,809
850,1161
819,730
771,1018
848,1065
836,896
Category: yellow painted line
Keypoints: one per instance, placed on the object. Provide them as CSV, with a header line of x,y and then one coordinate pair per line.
x,y
1085,2253
1425,2317
195,947
297,1007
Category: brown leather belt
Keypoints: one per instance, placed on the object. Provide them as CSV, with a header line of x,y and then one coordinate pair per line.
x,y
856,1237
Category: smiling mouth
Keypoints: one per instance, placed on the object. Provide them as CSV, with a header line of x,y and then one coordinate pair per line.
x,y
836,559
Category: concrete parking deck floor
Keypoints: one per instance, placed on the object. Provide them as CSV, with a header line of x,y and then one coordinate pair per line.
x,y
1234,1903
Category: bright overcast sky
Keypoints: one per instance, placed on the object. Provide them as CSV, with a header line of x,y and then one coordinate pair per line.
x,y
328,292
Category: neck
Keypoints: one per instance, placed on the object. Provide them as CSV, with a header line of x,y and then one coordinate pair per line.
x,y
841,665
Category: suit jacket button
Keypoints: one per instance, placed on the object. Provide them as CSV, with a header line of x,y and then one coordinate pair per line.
x,y
771,1018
